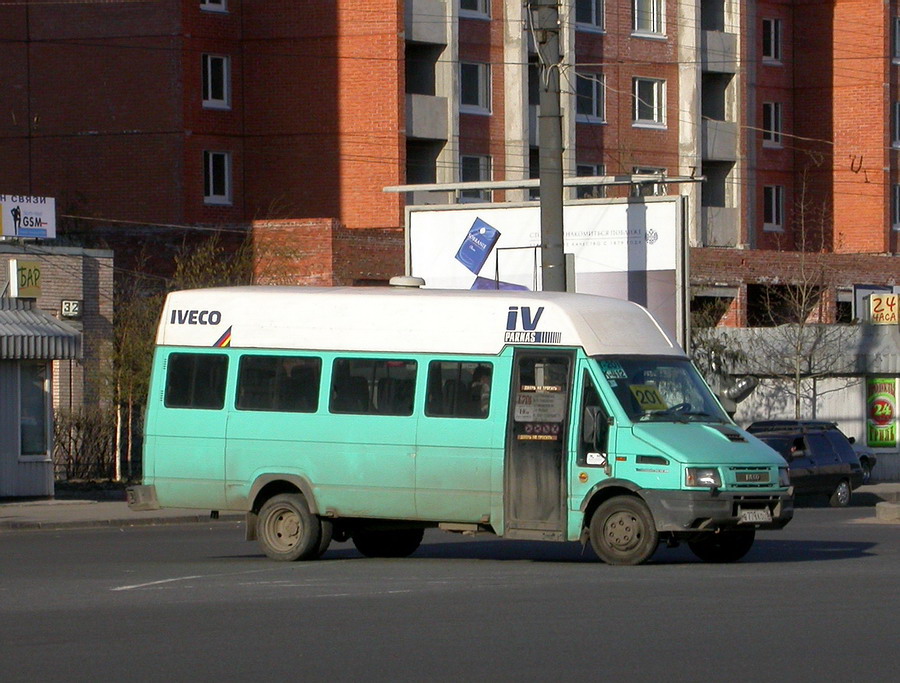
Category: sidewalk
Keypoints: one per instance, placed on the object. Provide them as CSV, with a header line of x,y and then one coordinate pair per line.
x,y
82,513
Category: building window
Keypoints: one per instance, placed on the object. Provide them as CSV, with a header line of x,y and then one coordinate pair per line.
x,y
34,410
217,177
895,207
771,40
216,78
475,8
895,124
590,100
474,169
648,16
649,102
590,191
649,188
214,5
589,14
895,40
475,87
773,208
771,124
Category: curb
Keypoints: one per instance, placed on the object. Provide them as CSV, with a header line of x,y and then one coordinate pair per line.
x,y
113,523
887,512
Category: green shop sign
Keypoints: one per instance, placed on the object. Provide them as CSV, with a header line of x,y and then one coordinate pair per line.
x,y
881,412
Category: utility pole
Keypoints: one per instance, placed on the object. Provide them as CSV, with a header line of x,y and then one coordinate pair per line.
x,y
545,22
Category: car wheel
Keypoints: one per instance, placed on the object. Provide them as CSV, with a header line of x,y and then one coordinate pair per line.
x,y
393,543
287,530
622,531
841,496
725,546
866,471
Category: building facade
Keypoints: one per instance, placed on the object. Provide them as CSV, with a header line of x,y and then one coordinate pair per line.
x,y
204,113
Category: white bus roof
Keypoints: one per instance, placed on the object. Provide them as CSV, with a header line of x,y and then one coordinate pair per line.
x,y
387,319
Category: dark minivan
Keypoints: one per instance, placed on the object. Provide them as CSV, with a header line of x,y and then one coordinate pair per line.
x,y
820,457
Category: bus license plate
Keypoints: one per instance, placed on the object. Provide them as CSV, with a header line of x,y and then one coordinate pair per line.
x,y
754,516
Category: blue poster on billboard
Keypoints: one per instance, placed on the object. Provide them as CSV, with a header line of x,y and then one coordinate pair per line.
x,y
477,245
27,217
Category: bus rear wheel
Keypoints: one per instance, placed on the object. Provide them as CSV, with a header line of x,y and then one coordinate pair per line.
x,y
725,546
622,531
388,543
287,530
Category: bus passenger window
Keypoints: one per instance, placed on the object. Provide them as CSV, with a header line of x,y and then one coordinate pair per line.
x,y
196,380
287,384
457,389
365,386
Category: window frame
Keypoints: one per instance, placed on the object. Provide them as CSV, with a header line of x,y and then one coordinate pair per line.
x,y
210,197
654,21
658,104
895,206
209,81
771,33
220,6
596,22
283,381
772,124
482,11
483,87
597,82
588,191
44,369
459,410
485,171
773,207
372,387
650,189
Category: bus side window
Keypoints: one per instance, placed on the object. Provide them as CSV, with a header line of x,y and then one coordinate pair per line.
x,y
196,380
373,386
458,389
288,384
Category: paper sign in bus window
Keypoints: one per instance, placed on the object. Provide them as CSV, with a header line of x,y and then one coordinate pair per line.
x,y
648,397
477,245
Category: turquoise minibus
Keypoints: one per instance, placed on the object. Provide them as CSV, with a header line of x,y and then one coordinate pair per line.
x,y
371,414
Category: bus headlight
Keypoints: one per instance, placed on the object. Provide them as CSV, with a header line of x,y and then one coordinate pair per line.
x,y
784,476
706,477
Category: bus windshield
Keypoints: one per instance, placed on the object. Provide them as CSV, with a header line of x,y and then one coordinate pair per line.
x,y
660,389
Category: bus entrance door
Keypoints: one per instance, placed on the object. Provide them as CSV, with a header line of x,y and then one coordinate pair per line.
x,y
534,480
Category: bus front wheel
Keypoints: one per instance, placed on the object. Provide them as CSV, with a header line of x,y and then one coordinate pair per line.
x,y
287,530
622,531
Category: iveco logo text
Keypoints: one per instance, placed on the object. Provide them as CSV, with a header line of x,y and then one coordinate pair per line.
x,y
529,333
180,317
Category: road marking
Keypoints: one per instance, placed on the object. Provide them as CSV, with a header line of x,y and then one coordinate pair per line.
x,y
155,583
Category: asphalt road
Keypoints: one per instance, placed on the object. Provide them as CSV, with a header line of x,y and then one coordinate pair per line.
x,y
818,600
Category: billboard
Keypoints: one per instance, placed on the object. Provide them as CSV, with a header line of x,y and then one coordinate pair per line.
x,y
626,249
27,217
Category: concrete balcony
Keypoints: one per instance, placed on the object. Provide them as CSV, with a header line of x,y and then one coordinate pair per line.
x,y
426,117
426,21
720,140
718,51
720,226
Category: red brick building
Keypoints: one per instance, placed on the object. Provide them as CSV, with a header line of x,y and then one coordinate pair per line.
x,y
225,112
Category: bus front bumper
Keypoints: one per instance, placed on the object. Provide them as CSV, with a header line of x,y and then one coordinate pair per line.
x,y
714,509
